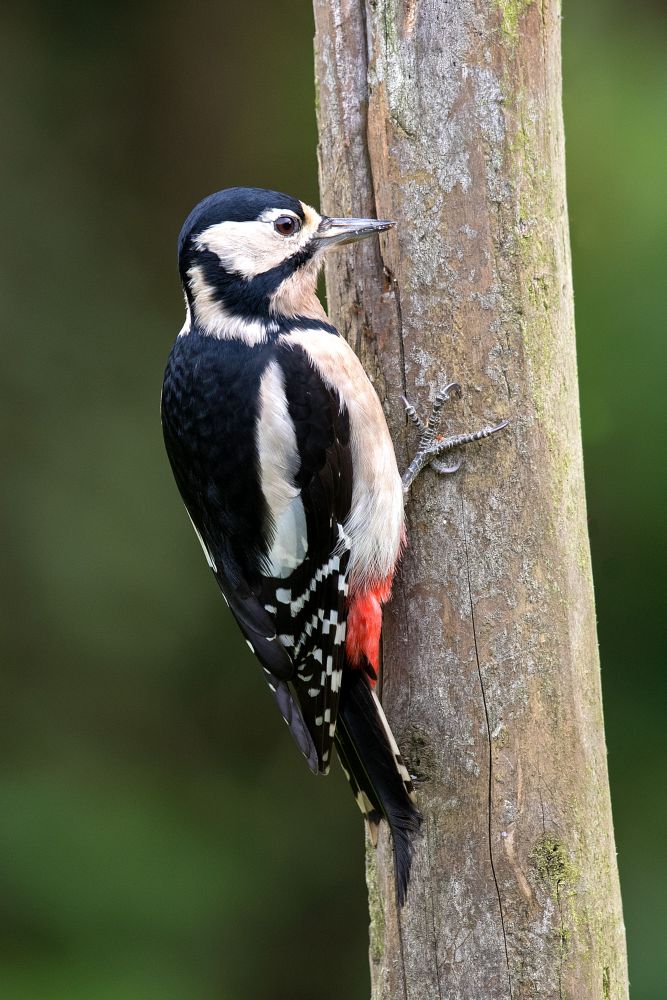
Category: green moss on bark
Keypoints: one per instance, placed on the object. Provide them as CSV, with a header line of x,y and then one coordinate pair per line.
x,y
510,12
555,869
375,906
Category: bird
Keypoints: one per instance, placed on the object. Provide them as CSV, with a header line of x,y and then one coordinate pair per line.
x,y
282,456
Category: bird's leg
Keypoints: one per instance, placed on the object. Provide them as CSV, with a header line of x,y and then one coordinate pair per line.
x,y
431,444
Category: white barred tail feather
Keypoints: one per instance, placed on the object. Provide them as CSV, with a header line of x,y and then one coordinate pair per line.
x,y
379,779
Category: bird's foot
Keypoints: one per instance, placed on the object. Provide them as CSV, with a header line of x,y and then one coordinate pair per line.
x,y
432,444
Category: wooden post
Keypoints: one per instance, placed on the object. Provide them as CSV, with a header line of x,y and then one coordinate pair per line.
x,y
446,116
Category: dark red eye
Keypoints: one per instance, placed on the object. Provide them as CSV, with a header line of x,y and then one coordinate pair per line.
x,y
287,225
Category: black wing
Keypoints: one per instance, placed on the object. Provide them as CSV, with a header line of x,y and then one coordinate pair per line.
x,y
295,622
309,604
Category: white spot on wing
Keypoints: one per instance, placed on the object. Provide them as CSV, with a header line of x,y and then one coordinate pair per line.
x,y
341,629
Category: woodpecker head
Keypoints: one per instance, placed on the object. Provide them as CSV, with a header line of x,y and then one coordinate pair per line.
x,y
251,254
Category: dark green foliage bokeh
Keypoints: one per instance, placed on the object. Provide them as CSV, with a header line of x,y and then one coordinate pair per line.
x,y
159,835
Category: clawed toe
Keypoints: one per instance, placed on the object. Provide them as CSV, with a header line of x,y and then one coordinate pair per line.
x,y
431,446
412,414
443,395
446,470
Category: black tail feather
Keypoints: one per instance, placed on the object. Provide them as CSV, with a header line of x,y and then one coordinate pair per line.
x,y
379,779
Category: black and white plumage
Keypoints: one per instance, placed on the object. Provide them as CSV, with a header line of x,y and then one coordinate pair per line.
x,y
282,456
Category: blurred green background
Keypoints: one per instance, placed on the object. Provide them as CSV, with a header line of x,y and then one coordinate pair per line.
x,y
159,836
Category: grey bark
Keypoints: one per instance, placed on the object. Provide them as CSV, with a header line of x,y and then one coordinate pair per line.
x,y
446,116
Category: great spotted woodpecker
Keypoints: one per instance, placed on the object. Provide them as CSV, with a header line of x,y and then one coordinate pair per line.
x,y
281,453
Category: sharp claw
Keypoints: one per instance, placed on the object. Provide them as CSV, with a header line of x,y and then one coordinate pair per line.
x,y
446,470
442,395
453,387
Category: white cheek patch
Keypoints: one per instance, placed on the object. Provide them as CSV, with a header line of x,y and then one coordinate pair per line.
x,y
245,248
251,248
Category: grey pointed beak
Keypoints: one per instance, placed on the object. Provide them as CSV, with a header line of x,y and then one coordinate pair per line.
x,y
335,232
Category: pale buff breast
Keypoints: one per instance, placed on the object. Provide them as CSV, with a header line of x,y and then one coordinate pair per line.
x,y
375,524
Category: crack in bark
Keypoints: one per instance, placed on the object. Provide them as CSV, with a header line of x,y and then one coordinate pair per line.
x,y
387,271
435,933
371,179
488,733
561,943
399,321
389,274
561,955
407,673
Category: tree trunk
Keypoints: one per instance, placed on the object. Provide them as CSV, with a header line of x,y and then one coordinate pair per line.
x,y
446,116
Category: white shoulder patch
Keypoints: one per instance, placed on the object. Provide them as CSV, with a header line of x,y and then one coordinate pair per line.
x,y
279,463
